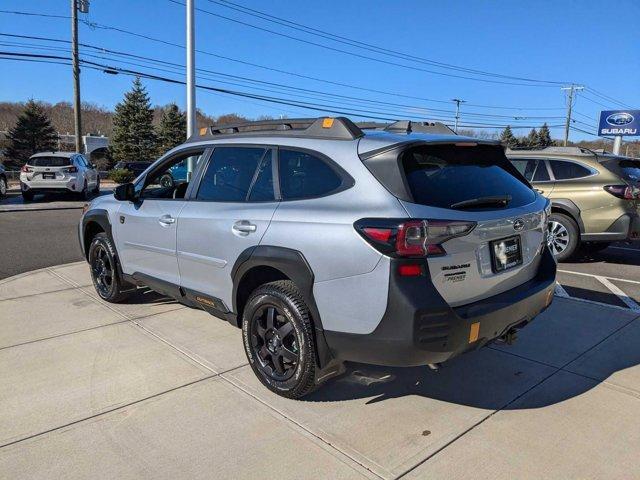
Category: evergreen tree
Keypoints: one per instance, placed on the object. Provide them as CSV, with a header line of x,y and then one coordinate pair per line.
x,y
32,133
173,128
133,137
544,136
508,138
533,140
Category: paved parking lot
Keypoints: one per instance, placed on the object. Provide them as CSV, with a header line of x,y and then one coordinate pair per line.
x,y
152,389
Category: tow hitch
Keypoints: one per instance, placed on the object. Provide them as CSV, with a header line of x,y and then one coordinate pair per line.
x,y
510,337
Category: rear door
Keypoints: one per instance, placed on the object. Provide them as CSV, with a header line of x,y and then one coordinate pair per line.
x,y
229,213
502,251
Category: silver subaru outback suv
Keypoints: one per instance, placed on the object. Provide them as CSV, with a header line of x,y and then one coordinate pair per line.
x,y
326,242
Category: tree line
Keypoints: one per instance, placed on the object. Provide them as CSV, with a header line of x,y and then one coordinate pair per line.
x,y
536,138
139,132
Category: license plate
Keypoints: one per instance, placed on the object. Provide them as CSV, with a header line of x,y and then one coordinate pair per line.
x,y
49,176
506,253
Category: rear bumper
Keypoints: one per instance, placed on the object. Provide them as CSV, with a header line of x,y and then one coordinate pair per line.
x,y
71,184
420,328
626,227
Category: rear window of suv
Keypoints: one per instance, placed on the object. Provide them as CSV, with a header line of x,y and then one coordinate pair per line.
x,y
626,168
443,175
49,161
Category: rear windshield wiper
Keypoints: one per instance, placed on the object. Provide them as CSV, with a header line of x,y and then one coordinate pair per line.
x,y
493,201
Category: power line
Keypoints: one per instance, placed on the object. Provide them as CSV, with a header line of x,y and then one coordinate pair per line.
x,y
363,45
595,92
365,57
236,77
269,99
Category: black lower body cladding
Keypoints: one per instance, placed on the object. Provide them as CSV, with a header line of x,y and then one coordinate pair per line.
x,y
420,328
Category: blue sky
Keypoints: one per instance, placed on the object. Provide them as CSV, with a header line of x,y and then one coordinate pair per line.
x,y
584,42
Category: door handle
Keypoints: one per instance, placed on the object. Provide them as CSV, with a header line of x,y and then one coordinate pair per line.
x,y
244,227
166,220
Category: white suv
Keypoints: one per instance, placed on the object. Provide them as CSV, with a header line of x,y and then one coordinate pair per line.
x,y
327,242
58,172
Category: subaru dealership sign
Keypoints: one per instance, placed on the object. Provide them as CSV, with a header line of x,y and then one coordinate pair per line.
x,y
619,122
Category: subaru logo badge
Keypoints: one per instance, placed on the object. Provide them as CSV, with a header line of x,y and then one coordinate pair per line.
x,y
619,119
518,224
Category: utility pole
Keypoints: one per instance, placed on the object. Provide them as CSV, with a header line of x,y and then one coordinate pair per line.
x,y
458,102
76,75
191,79
571,89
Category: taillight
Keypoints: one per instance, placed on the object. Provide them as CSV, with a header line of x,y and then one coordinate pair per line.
x,y
26,169
411,238
71,170
623,191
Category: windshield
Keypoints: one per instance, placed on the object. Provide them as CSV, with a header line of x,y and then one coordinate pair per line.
x,y
50,161
447,175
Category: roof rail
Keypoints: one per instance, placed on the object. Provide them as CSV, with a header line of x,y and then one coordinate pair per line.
x,y
408,126
338,128
553,149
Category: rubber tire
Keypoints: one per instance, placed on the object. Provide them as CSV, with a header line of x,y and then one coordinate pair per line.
x,y
3,191
574,235
96,190
286,296
120,290
27,196
84,193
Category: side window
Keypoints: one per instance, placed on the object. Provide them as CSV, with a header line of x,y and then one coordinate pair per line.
x,y
262,188
80,161
161,184
303,175
525,167
568,170
541,174
231,174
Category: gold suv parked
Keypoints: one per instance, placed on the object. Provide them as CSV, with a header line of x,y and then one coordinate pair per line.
x,y
595,196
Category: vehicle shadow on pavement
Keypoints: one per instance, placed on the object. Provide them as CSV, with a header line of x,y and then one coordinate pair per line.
x,y
607,256
146,296
491,384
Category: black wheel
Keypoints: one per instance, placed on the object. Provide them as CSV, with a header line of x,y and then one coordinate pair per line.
x,y
3,187
278,339
96,189
84,193
563,236
104,271
27,196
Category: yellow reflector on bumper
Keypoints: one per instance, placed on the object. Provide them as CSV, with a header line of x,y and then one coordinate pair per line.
x,y
474,332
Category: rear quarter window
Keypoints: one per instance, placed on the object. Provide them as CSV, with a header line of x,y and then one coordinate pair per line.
x,y
627,168
568,170
442,175
305,175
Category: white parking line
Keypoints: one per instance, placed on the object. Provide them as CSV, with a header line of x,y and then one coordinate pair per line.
x,y
596,276
619,293
561,292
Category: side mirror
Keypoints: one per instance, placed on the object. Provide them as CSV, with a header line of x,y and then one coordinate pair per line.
x,y
125,192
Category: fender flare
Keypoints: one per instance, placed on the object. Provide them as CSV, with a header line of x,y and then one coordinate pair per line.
x,y
99,216
567,206
294,265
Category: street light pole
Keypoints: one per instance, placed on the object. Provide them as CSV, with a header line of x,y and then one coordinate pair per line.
x,y
458,102
76,75
191,78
